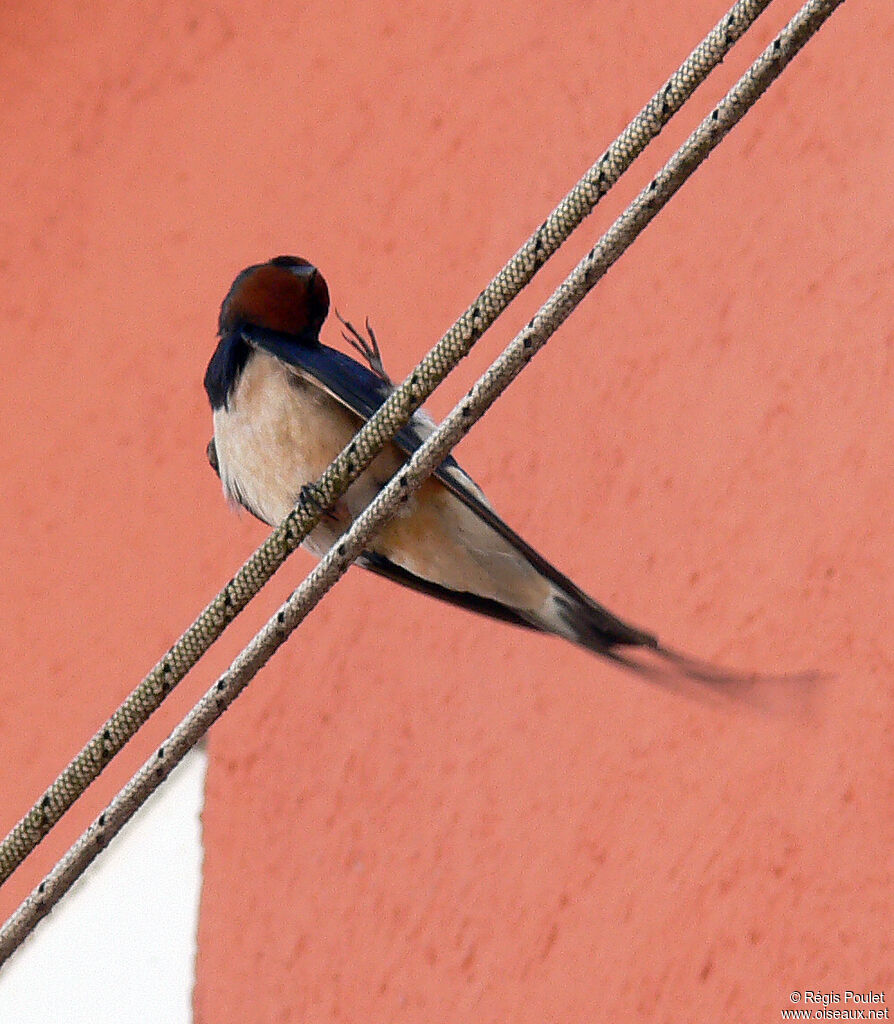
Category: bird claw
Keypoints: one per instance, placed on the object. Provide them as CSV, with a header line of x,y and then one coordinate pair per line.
x,y
367,347
312,498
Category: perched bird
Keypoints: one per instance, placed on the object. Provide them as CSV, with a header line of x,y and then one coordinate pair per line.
x,y
285,405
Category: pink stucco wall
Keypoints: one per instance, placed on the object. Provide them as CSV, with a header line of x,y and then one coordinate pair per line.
x,y
415,814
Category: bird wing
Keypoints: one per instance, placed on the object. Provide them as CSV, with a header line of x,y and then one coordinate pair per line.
x,y
351,383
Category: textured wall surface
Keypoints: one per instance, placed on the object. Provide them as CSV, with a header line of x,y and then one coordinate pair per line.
x,y
415,814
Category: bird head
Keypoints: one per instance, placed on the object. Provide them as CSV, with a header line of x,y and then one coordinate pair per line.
x,y
287,294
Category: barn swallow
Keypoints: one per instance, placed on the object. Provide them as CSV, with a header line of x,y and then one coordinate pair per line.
x,y
285,405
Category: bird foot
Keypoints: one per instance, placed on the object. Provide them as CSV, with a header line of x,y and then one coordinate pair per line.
x,y
367,347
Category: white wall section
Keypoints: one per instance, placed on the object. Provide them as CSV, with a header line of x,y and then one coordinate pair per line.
x,y
121,947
